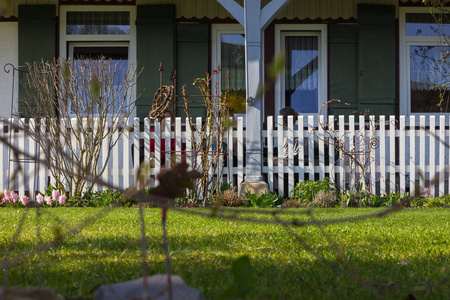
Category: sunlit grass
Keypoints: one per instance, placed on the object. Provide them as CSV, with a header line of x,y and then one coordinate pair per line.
x,y
404,253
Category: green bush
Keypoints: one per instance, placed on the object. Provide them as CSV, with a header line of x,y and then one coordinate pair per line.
x,y
102,198
268,199
305,191
363,198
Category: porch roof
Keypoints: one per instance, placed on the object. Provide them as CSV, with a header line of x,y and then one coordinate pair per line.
x,y
199,9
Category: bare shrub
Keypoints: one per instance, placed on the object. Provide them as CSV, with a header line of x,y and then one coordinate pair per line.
x,y
229,198
325,199
209,153
81,105
292,203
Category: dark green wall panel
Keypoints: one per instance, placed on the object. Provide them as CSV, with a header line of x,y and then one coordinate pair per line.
x,y
37,39
376,35
362,63
192,62
155,44
343,51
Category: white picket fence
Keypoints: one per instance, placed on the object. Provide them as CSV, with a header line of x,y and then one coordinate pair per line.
x,y
386,155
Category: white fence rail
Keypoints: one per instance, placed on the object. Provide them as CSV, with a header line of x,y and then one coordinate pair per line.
x,y
384,155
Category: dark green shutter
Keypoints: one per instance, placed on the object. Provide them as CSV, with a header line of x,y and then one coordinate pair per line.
x,y
343,47
155,44
192,62
362,63
37,39
377,63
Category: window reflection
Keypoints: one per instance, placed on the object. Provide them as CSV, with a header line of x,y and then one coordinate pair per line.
x,y
98,22
420,24
111,94
429,77
233,62
302,76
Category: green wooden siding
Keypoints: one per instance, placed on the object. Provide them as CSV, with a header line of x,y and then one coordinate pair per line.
x,y
37,40
192,62
363,64
155,45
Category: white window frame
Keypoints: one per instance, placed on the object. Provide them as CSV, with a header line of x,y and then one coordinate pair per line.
x,y
320,30
405,42
216,31
68,41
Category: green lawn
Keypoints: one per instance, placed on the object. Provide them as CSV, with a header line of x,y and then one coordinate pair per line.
x,y
404,253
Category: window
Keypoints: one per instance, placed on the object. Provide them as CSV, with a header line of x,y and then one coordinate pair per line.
x,y
118,54
99,31
302,83
424,62
228,47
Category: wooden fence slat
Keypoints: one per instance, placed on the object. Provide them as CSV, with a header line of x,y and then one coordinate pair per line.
x,y
441,162
432,152
280,165
320,141
291,141
115,158
412,159
190,155
401,158
270,152
392,154
105,153
422,153
311,147
20,180
136,150
42,167
383,177
126,153
230,147
33,163
178,140
352,150
362,140
240,163
331,152
374,144
341,141
167,137
301,148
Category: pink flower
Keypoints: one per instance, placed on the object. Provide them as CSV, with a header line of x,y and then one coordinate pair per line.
x,y
48,200
24,199
55,195
7,196
62,199
14,197
426,192
39,199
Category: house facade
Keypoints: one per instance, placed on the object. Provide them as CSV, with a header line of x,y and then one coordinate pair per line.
x,y
365,53
378,57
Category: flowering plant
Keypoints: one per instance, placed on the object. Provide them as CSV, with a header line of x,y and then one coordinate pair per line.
x,y
51,197
10,198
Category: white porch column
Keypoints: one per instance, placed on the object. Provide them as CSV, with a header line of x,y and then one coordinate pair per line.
x,y
254,78
254,19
